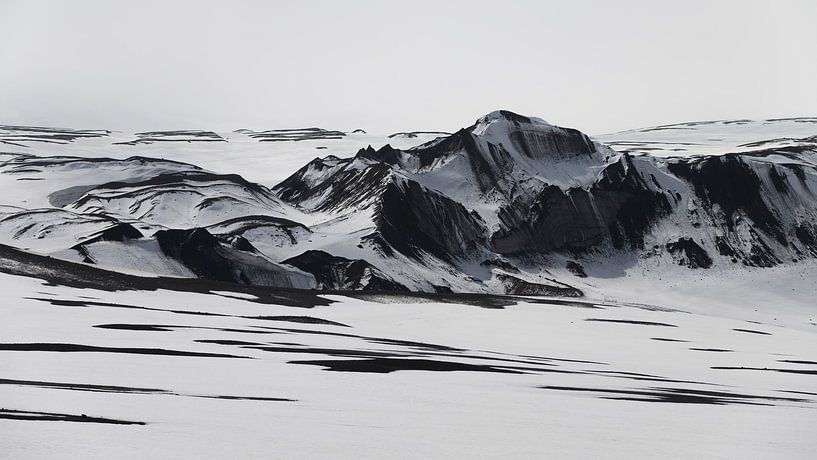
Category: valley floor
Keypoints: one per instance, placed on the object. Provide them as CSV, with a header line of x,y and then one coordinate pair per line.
x,y
90,373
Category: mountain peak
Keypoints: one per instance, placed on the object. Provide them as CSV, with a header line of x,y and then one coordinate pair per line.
x,y
532,137
507,115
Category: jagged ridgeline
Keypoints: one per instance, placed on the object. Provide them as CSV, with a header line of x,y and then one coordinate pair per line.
x,y
511,204
515,187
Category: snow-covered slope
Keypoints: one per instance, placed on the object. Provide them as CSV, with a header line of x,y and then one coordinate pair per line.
x,y
99,365
121,214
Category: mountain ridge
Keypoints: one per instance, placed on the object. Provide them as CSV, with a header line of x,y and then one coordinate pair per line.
x,y
508,201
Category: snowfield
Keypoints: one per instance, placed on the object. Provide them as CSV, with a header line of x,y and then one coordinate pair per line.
x,y
148,308
100,373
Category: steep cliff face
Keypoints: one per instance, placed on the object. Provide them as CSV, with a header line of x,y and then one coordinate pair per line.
x,y
618,209
760,208
415,220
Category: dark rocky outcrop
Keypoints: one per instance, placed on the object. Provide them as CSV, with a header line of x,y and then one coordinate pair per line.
x,y
732,185
208,258
338,187
414,220
118,232
689,253
340,273
576,268
619,209
517,286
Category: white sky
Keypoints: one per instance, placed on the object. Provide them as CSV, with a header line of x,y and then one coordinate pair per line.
x,y
388,66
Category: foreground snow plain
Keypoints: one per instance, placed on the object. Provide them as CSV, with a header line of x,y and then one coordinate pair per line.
x,y
656,361
404,377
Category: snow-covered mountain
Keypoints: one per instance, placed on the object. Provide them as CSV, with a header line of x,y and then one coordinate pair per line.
x,y
510,204
147,304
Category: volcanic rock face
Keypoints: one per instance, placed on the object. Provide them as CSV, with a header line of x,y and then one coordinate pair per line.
x,y
501,205
332,272
413,220
208,258
619,208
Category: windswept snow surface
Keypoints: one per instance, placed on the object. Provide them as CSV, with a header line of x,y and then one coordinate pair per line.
x,y
713,137
90,373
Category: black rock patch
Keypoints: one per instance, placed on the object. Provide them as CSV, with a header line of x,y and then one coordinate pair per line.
x,y
689,253
517,286
333,272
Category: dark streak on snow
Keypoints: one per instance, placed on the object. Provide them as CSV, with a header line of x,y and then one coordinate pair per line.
x,y
679,395
627,321
77,348
127,390
12,414
752,332
786,371
382,365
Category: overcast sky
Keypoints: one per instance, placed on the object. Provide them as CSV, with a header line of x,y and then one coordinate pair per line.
x,y
387,66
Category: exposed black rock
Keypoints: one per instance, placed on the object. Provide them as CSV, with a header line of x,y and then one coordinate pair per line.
x,y
576,268
385,154
807,234
205,256
499,262
729,182
689,253
118,232
620,208
237,242
414,220
333,272
339,188
516,286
